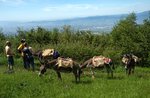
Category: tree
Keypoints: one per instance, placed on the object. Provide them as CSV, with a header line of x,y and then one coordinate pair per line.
x,y
124,33
144,41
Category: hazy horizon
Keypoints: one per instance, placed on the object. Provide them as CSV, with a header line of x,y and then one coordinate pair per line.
x,y
21,21
40,10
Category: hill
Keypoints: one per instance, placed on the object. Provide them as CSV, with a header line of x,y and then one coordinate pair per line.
x,y
93,23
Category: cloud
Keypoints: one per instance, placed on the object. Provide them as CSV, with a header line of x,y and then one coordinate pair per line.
x,y
70,7
92,9
12,1
72,10
84,10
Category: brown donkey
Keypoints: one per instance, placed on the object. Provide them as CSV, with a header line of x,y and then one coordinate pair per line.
x,y
98,62
62,65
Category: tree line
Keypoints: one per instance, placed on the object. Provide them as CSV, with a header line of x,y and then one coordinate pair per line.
x,y
127,36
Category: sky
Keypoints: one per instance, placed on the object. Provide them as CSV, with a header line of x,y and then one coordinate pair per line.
x,y
38,10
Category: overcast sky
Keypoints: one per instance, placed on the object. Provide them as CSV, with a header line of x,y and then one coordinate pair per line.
x,y
36,10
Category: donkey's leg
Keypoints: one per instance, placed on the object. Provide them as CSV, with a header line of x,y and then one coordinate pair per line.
x,y
76,77
133,69
92,72
75,73
129,71
42,70
112,75
107,69
79,73
112,68
59,75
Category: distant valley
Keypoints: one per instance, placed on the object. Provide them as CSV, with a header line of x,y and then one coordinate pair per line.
x,y
93,23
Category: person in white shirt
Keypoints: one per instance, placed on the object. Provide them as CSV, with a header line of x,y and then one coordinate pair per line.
x,y
9,55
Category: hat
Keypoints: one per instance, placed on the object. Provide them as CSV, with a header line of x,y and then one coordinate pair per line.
x,y
7,42
23,40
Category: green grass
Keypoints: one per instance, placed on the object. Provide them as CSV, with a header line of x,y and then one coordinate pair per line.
x,y
27,84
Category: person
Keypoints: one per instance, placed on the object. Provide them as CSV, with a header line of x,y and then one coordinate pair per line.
x,y
20,50
28,56
9,54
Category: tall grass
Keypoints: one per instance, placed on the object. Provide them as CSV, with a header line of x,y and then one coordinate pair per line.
x,y
27,84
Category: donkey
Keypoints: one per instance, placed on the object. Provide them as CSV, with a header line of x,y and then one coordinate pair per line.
x,y
129,60
46,54
98,62
62,65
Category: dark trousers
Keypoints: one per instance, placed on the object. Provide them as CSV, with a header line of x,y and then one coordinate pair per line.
x,y
29,61
24,62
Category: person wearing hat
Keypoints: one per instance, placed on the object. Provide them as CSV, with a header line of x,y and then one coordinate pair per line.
x,y
21,46
9,54
20,50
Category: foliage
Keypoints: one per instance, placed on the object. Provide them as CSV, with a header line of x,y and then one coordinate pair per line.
x,y
124,34
130,37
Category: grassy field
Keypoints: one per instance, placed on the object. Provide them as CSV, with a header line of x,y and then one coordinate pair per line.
x,y
27,84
